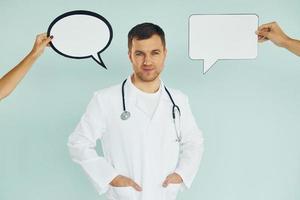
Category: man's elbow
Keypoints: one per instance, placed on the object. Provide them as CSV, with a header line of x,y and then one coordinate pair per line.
x,y
75,149
198,139
79,149
75,152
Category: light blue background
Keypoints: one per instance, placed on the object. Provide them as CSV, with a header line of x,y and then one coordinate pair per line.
x,y
249,110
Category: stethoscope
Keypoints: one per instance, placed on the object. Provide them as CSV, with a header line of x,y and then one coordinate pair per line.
x,y
175,109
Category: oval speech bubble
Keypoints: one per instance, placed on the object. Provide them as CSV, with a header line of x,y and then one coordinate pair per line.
x,y
80,34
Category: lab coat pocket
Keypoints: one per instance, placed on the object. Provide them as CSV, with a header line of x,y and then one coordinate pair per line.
x,y
123,193
171,191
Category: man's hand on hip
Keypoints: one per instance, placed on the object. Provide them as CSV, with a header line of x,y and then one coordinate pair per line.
x,y
173,178
123,181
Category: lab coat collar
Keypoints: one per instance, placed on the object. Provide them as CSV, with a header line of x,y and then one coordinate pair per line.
x,y
131,93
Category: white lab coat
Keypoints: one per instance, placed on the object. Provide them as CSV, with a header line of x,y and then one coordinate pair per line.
x,y
141,148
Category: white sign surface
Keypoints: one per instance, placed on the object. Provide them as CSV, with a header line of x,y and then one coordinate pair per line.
x,y
81,34
214,37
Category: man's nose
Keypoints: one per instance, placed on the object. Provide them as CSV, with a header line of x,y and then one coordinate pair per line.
x,y
148,60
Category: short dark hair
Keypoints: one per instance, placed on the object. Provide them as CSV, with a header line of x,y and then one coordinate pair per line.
x,y
145,31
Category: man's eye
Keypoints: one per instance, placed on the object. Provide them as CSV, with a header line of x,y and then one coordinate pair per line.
x,y
156,53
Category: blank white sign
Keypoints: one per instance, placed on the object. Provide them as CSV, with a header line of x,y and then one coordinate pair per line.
x,y
214,37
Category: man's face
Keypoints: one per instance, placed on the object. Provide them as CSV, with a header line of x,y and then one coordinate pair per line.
x,y
147,58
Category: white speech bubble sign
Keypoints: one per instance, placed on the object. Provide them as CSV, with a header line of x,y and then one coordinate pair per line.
x,y
80,34
215,37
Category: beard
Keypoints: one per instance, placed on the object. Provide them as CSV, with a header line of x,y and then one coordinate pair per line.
x,y
148,76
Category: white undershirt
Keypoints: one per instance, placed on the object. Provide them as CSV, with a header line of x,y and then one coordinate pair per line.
x,y
148,101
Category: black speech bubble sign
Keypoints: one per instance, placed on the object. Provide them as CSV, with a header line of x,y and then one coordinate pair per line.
x,y
82,12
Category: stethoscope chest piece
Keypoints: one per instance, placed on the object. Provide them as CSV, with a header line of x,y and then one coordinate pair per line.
x,y
125,115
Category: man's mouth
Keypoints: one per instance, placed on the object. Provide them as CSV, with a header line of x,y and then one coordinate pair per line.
x,y
147,69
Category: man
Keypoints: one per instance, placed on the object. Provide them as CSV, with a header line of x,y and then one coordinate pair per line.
x,y
146,155
11,79
272,31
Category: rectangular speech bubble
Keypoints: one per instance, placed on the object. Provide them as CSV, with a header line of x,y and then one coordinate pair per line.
x,y
230,36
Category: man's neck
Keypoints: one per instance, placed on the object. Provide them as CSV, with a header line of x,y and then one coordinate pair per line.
x,y
149,87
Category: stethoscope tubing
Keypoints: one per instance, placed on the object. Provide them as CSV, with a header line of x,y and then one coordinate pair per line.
x,y
174,108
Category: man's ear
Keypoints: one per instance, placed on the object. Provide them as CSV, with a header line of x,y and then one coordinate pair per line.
x,y
129,56
165,51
